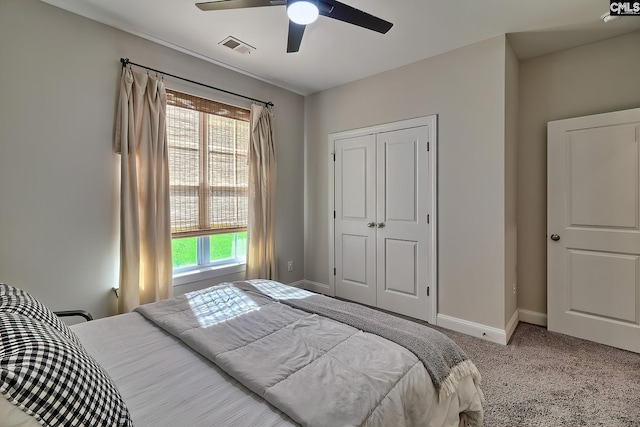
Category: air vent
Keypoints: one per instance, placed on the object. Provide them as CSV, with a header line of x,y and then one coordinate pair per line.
x,y
237,45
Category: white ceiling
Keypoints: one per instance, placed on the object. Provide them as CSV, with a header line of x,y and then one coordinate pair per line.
x,y
334,53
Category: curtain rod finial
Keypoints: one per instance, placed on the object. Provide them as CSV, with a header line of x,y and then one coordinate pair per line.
x,y
124,61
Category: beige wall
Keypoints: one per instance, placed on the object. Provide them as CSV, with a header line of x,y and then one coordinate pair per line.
x,y
58,176
59,75
510,180
465,88
594,78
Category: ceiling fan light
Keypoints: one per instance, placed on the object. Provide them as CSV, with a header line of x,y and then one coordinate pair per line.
x,y
302,12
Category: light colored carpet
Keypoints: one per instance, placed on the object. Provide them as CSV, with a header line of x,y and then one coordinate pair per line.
x,y
546,379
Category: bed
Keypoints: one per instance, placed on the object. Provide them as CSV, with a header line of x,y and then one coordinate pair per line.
x,y
251,353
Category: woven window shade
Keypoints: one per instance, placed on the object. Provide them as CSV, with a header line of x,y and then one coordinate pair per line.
x,y
208,170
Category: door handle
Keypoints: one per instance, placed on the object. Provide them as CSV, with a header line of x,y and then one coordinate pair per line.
x,y
380,225
371,224
555,237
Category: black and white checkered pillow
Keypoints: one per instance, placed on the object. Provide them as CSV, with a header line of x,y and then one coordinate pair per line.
x,y
14,300
53,379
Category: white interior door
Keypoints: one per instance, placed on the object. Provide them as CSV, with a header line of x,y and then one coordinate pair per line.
x,y
593,228
402,226
355,216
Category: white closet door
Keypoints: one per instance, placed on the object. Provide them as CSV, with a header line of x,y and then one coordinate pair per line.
x,y
382,197
355,212
402,228
593,227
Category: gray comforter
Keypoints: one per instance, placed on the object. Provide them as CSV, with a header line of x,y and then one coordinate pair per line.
x,y
318,371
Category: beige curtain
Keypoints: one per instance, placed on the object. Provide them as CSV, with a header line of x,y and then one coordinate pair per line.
x,y
145,230
261,250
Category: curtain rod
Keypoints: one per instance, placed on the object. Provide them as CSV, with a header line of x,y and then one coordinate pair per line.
x,y
125,62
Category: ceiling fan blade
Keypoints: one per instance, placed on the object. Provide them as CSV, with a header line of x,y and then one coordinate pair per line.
x,y
237,4
296,31
342,12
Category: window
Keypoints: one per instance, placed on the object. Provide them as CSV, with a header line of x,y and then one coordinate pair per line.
x,y
208,170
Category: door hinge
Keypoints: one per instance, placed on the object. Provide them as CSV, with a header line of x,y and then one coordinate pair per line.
x,y
334,156
334,271
428,219
427,290
427,146
334,214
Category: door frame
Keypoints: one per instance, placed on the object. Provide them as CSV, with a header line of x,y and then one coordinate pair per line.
x,y
432,123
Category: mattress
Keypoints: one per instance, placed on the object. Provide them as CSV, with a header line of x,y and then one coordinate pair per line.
x,y
148,368
164,383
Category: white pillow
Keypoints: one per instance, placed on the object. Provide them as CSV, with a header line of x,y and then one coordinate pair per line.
x,y
12,416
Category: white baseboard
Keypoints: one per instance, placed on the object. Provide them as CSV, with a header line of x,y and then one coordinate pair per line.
x,y
511,326
298,284
488,333
532,317
318,287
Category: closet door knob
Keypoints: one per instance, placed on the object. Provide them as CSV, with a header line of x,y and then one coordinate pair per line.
x,y
380,225
371,224
555,237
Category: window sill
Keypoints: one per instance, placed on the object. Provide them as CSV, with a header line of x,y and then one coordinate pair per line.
x,y
205,273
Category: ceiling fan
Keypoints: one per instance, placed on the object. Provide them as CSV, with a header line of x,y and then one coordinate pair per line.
x,y
303,12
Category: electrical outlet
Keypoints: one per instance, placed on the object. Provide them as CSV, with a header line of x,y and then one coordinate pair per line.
x,y
290,266
514,288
